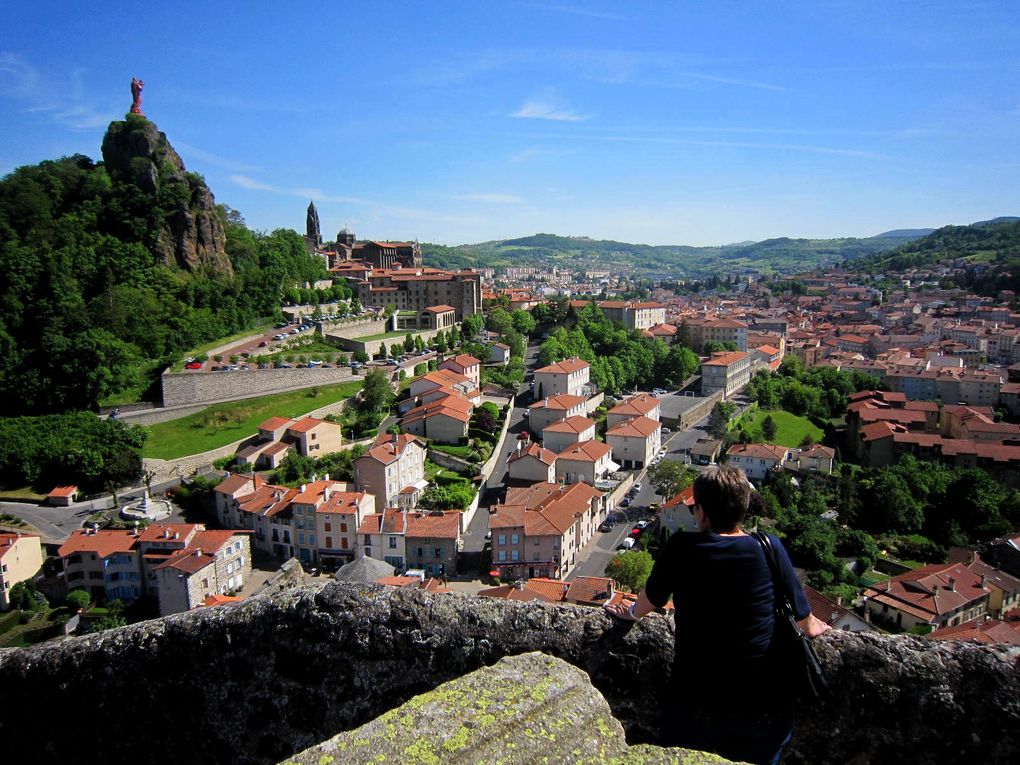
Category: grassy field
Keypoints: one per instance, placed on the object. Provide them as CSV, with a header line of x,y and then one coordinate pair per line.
x,y
384,336
790,429
221,424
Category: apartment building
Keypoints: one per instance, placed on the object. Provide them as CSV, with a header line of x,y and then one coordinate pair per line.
x,y
547,411
586,462
640,405
21,558
938,595
466,365
564,433
309,437
416,290
445,420
531,464
727,372
569,377
635,441
434,542
543,534
756,460
393,470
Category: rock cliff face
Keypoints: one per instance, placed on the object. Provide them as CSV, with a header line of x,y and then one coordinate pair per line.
x,y
190,233
259,681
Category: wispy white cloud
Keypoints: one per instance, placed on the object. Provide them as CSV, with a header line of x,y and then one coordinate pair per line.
x,y
193,152
499,199
374,208
63,102
549,106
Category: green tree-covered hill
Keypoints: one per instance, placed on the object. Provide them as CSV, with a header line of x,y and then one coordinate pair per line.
x,y
782,255
988,252
112,269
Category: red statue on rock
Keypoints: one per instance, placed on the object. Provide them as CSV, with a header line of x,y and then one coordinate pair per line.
x,y
136,95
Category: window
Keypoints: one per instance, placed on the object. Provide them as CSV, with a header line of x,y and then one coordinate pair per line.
x,y
343,528
230,568
502,554
205,584
368,540
343,543
514,539
501,539
329,526
311,539
421,552
301,538
393,543
535,556
514,555
329,542
439,552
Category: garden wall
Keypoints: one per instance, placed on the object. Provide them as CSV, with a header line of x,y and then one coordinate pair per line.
x,y
206,387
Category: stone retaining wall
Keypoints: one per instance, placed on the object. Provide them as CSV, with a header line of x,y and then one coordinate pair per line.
x,y
203,387
255,682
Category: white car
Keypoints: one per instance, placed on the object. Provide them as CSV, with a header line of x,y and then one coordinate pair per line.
x,y
636,487
626,544
641,524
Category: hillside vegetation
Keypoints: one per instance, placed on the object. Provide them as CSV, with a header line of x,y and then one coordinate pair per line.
x,y
110,274
783,255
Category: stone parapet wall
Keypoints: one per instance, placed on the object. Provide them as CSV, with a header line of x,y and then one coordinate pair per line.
x,y
358,328
258,681
207,387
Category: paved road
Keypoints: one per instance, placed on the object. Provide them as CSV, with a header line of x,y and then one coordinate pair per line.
x,y
495,486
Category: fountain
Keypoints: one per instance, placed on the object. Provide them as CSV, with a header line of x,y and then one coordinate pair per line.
x,y
146,509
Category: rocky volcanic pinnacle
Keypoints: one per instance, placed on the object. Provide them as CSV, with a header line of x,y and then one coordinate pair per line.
x,y
191,234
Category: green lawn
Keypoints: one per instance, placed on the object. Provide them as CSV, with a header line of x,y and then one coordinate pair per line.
x,y
790,432
221,424
384,336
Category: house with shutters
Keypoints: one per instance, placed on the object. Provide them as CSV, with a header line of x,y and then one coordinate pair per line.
x,y
586,462
635,441
393,471
466,365
756,460
546,411
564,433
570,376
531,463
640,405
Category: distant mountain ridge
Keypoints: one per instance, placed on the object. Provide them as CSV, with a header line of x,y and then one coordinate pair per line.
x,y
780,255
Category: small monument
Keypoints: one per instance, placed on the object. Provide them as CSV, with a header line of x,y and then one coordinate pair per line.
x,y
136,96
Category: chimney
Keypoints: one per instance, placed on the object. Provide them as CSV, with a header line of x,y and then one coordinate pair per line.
x,y
315,477
984,581
325,477
839,600
952,584
303,487
198,552
610,592
519,584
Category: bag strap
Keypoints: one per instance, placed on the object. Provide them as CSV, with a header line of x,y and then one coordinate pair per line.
x,y
783,595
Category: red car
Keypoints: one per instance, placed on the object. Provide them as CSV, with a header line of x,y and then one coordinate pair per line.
x,y
264,344
524,436
193,365
636,532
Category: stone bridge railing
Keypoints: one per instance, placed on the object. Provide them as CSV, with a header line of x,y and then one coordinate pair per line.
x,y
257,681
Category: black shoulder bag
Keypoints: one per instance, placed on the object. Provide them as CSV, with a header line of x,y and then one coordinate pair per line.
x,y
793,648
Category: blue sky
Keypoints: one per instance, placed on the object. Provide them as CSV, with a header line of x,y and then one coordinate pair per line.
x,y
454,122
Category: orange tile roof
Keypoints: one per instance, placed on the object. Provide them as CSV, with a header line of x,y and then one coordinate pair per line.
x,y
463,360
235,482
63,491
759,451
636,427
565,367
308,423
440,308
442,525
641,404
573,424
534,450
103,543
562,402
219,600
587,451
275,422
592,590
165,532
725,360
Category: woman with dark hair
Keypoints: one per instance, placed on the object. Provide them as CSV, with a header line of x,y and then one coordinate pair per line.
x,y
727,694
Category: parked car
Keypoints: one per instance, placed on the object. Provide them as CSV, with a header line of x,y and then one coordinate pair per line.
x,y
193,365
263,344
664,429
659,392
606,526
636,487
524,436
625,502
636,532
626,544
641,524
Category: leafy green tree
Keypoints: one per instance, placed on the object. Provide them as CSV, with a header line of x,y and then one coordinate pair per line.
x,y
670,477
360,356
420,369
78,599
472,325
630,569
499,321
719,419
523,322
769,428
383,351
376,392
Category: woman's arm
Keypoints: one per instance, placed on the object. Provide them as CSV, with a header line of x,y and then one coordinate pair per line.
x,y
632,613
813,626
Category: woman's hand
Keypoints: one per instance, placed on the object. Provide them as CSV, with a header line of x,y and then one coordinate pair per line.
x,y
620,611
813,626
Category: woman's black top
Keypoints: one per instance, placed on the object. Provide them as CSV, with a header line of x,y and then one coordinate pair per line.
x,y
721,588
